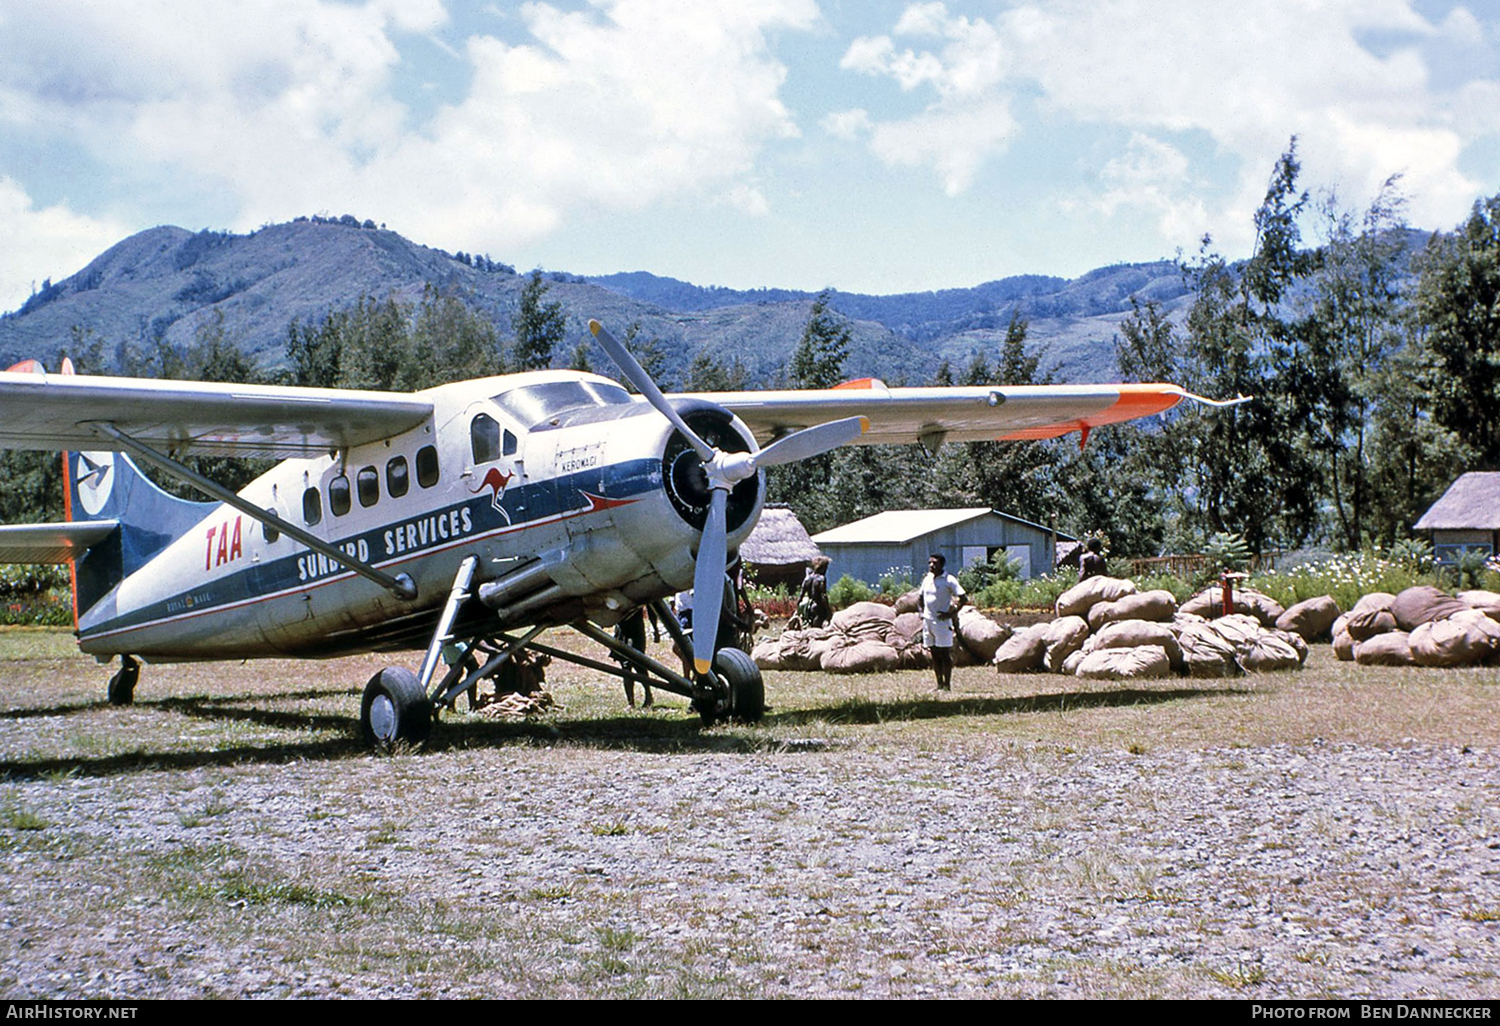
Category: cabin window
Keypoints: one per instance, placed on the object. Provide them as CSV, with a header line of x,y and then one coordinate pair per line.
x,y
484,434
339,500
367,483
270,533
427,466
312,506
397,480
510,445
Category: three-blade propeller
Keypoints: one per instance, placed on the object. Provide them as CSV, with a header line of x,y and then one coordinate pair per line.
x,y
724,470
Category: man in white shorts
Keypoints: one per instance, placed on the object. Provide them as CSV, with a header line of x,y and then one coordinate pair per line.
x,y
942,598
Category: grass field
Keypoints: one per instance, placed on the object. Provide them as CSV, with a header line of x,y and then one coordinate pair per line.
x,y
1025,836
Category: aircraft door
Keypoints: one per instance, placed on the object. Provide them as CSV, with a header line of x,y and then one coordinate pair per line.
x,y
496,469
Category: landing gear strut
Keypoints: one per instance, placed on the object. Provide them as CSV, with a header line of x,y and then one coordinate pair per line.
x,y
122,684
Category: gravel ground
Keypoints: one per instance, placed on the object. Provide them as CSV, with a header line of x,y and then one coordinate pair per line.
x,y
820,869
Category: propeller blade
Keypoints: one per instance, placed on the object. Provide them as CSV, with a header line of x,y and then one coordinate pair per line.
x,y
813,441
708,582
637,376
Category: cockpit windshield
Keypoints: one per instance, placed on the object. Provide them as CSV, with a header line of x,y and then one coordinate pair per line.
x,y
533,404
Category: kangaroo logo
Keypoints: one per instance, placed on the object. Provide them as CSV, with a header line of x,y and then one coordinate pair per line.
x,y
95,480
496,482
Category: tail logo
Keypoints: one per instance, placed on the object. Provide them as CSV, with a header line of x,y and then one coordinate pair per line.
x,y
95,480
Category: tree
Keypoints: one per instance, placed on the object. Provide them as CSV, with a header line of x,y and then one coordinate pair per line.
x,y
1355,324
1458,306
539,326
818,360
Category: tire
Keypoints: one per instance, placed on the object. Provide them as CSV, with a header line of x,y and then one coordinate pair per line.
x,y
747,690
395,709
122,685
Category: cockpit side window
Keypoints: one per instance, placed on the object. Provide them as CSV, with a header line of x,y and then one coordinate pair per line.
x,y
484,436
510,443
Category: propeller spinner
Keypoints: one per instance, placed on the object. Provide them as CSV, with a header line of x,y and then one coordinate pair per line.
x,y
724,470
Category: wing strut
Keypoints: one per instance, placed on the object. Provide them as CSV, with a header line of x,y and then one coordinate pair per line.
x,y
400,585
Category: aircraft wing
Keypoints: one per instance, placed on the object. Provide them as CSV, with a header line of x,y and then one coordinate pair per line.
x,y
958,414
55,411
51,543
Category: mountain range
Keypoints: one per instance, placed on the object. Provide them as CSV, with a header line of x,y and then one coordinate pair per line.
x,y
163,283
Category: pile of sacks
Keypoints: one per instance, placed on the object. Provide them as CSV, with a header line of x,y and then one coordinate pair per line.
x,y
1108,630
1422,626
869,637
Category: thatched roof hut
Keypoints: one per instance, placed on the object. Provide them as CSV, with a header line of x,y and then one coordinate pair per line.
x,y
1467,517
779,549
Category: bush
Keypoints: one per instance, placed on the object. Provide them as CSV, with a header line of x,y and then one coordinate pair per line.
x,y
848,591
896,581
1347,578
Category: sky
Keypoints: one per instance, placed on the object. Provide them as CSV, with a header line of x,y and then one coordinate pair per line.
x,y
868,145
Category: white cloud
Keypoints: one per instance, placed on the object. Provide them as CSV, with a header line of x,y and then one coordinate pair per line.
x,y
970,119
286,106
1248,77
53,242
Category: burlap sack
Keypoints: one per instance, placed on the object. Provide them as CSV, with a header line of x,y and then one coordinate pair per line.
x,y
1343,646
864,656
1062,638
803,650
1205,653
1135,634
1449,643
1311,619
1239,629
1145,662
1023,650
1368,623
1423,604
865,620
911,602
1080,598
767,654
1209,603
1488,601
1392,648
979,634
1270,652
904,629
1157,606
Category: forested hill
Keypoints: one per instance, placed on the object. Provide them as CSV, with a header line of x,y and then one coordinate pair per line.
x,y
164,284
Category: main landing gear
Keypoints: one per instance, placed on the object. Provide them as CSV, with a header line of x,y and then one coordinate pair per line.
x,y
399,705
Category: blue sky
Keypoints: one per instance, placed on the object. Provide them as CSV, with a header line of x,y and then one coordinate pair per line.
x,y
872,146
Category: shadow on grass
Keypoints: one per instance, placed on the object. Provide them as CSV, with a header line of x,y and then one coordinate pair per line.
x,y
668,732
869,711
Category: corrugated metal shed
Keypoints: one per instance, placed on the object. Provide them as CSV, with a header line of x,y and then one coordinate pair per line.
x,y
903,539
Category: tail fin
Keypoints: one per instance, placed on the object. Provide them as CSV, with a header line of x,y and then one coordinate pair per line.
x,y
108,486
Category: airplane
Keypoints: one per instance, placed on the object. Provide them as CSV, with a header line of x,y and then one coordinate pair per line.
x,y
462,521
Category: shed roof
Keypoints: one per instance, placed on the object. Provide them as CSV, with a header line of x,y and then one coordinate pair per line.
x,y
900,526
779,539
1470,503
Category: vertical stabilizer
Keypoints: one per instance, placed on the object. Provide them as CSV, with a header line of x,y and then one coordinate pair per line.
x,y
106,485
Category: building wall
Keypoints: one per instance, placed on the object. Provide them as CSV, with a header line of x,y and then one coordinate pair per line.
x,y
868,561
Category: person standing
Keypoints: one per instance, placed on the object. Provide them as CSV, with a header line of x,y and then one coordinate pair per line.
x,y
631,630
942,598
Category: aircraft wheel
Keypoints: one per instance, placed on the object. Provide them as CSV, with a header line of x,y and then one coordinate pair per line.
x,y
747,690
395,708
122,684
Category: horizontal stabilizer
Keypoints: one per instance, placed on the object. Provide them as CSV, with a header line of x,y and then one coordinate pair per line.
x,y
52,543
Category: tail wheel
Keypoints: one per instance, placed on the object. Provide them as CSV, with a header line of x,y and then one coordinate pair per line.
x,y
747,691
395,708
122,685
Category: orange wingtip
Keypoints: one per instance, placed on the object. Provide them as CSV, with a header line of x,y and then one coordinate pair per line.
x,y
27,367
861,383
